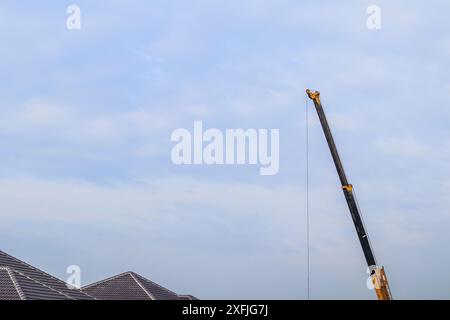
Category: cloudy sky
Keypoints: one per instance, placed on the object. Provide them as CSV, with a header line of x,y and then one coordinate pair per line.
x,y
86,117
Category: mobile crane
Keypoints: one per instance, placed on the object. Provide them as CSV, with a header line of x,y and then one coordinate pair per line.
x,y
377,273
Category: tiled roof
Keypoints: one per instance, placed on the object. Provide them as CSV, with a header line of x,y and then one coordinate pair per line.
x,y
187,297
8,289
19,280
17,286
131,286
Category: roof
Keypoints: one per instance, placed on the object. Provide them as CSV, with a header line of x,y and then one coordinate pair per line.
x,y
131,286
8,288
21,281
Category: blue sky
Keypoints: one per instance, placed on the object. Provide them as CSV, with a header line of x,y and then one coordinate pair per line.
x,y
86,118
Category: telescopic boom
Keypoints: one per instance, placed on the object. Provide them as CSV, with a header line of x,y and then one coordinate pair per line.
x,y
377,273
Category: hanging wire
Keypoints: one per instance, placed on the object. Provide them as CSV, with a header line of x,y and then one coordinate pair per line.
x,y
364,225
307,198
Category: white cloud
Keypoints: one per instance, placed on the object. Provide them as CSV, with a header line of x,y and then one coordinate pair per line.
x,y
43,118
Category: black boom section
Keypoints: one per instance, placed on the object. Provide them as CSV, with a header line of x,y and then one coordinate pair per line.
x,y
347,188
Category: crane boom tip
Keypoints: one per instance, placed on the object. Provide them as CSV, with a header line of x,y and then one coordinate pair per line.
x,y
313,95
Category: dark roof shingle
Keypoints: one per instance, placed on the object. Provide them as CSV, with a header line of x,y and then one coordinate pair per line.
x,y
120,287
21,281
34,283
33,290
129,285
8,289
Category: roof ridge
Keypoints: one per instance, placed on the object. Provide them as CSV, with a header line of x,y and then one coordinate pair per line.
x,y
131,273
158,285
190,296
42,284
104,280
15,283
34,268
43,272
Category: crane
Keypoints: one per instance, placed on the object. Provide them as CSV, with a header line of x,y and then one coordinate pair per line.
x,y
377,273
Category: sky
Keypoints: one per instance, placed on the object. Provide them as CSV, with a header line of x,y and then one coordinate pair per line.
x,y
86,118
